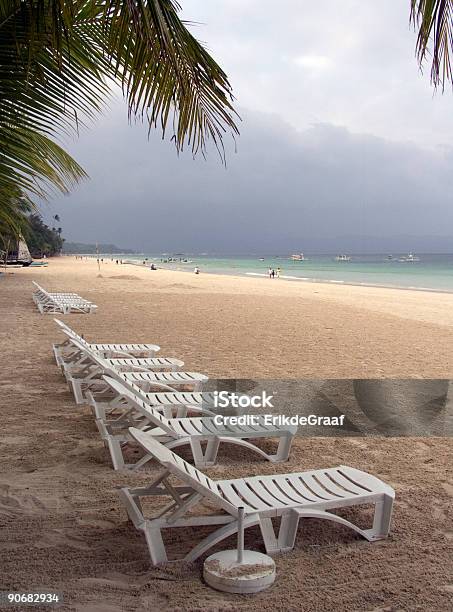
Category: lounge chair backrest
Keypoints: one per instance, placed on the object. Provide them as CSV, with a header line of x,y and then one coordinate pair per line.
x,y
84,347
46,293
182,469
143,407
76,338
65,327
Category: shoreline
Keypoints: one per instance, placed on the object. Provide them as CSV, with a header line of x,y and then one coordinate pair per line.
x,y
314,281
188,267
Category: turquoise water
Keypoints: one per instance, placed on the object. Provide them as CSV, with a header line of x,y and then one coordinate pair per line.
x,y
432,272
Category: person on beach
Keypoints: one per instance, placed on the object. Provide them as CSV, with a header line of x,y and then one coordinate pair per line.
x,y
197,270
278,272
273,273
270,272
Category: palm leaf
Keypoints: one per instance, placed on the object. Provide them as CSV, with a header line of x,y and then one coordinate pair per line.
x,y
434,19
57,59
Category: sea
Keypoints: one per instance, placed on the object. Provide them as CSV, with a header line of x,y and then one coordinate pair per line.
x,y
430,272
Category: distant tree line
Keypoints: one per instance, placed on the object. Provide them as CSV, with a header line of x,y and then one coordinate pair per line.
x,y
42,239
90,249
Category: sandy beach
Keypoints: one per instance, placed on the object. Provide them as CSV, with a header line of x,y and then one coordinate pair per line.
x,y
62,526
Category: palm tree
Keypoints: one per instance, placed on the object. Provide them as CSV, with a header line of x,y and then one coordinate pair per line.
x,y
434,20
58,60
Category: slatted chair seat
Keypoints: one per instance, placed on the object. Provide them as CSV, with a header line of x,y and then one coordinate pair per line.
x,y
67,352
191,431
289,497
140,364
107,404
86,373
174,379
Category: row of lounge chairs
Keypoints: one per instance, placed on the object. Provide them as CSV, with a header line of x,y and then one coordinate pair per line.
x,y
63,303
138,398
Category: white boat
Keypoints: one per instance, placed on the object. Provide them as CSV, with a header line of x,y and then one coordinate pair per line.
x,y
410,258
298,257
342,258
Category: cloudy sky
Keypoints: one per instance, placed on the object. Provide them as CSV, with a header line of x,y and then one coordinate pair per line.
x,y
343,142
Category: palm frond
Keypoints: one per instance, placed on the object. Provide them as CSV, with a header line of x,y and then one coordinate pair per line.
x,y
57,60
434,20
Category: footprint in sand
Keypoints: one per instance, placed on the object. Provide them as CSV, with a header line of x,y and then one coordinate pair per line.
x,y
439,514
95,522
56,538
358,442
15,501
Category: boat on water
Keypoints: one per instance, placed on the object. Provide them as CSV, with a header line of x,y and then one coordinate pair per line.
x,y
410,258
20,255
342,258
298,257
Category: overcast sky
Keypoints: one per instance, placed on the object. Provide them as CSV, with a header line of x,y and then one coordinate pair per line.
x,y
341,136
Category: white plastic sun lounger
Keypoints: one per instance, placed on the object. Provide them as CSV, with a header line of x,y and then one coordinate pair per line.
x,y
84,366
64,303
42,295
66,351
290,497
89,377
107,403
192,431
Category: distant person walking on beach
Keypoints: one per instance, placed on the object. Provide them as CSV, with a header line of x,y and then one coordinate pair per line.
x,y
197,270
270,272
278,272
273,273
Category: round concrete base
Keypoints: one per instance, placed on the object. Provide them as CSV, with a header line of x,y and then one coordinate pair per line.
x,y
255,573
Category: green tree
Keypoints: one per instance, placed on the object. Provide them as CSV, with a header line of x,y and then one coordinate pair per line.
x,y
41,239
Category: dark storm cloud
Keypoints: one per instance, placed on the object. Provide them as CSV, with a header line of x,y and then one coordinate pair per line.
x,y
283,190
343,146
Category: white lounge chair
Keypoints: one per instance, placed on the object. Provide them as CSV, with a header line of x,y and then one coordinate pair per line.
x,y
90,376
85,365
290,497
107,403
63,303
66,351
192,431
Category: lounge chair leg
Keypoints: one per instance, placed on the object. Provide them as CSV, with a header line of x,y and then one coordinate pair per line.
x,y
382,519
77,391
268,533
155,544
99,411
115,453
287,532
210,454
197,452
284,447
